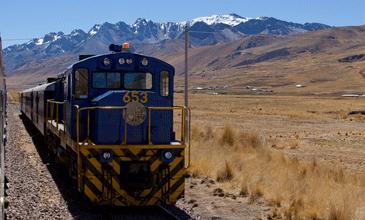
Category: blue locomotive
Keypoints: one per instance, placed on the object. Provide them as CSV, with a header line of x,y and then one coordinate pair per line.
x,y
110,119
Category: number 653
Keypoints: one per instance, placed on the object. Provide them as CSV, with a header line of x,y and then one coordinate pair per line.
x,y
133,96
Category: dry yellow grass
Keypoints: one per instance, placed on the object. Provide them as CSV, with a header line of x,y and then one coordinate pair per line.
x,y
13,96
298,190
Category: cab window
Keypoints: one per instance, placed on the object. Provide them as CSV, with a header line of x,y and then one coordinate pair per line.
x,y
138,81
106,80
81,83
164,83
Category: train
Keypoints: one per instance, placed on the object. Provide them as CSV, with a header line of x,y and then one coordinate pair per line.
x,y
111,120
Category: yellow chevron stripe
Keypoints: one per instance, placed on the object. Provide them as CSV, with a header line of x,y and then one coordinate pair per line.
x,y
95,164
117,202
135,151
119,152
175,162
116,186
150,152
90,194
94,180
131,200
178,191
145,192
174,179
155,165
84,151
116,167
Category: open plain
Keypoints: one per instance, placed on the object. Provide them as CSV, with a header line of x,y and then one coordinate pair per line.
x,y
303,154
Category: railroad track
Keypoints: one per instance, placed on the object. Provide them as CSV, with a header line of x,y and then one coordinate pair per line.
x,y
174,213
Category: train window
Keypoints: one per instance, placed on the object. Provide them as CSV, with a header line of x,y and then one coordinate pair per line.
x,y
138,80
103,80
164,83
81,83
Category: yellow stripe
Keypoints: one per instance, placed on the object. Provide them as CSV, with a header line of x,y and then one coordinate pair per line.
x,y
96,164
117,202
155,165
131,200
175,162
116,186
119,152
177,192
157,195
94,180
135,151
90,194
150,152
145,192
116,167
84,152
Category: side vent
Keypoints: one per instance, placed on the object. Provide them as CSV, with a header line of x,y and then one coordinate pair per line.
x,y
84,56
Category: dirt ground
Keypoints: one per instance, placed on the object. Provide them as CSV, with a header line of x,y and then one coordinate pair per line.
x,y
306,127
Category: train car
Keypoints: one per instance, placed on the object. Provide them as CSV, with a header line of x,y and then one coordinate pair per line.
x,y
111,119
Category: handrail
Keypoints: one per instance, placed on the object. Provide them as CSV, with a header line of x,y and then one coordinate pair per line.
x,y
150,109
79,181
79,110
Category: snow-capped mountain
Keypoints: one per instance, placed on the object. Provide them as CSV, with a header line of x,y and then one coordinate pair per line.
x,y
204,31
231,19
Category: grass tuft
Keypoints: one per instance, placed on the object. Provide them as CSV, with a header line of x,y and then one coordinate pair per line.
x,y
225,174
228,137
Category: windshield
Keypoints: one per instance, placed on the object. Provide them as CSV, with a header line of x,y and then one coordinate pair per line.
x,y
138,80
106,80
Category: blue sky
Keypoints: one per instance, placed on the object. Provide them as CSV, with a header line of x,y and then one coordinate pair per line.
x,y
30,19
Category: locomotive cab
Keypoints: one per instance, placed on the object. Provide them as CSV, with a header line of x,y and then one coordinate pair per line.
x,y
137,83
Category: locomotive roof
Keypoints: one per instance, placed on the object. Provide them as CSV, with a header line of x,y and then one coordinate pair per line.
x,y
43,87
121,53
111,54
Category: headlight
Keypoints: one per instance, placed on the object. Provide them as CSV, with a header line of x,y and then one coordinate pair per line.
x,y
167,156
129,61
106,156
144,62
121,61
106,61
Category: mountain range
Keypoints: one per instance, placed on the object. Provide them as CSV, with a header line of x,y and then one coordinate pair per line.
x,y
203,31
227,54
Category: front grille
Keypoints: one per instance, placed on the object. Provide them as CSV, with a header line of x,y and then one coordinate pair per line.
x,y
135,175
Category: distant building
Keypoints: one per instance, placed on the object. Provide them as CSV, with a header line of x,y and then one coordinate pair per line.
x,y
300,86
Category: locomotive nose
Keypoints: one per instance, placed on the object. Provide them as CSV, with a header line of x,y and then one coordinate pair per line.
x,y
135,113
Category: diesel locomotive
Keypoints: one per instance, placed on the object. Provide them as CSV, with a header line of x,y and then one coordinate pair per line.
x,y
112,121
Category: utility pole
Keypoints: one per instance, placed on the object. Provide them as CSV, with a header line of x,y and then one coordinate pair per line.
x,y
186,88
186,84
